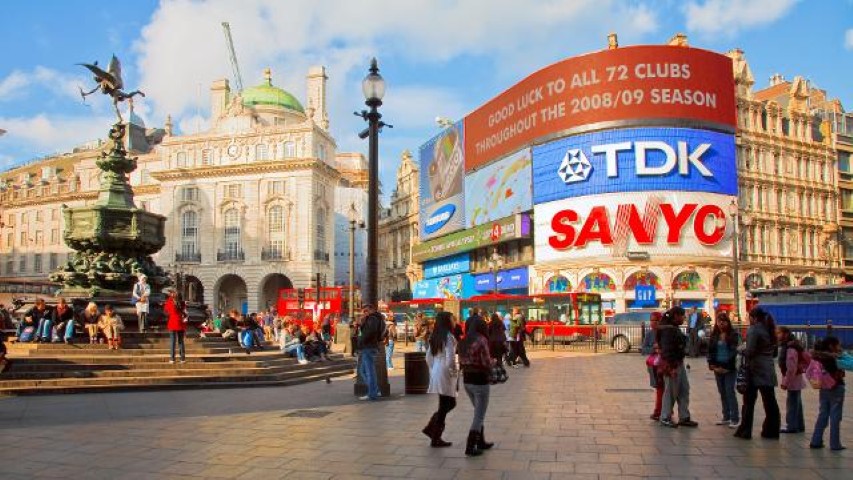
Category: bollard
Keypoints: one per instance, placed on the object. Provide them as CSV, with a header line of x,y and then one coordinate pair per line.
x,y
552,334
417,373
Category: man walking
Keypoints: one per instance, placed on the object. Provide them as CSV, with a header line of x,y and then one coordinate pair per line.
x,y
141,292
370,336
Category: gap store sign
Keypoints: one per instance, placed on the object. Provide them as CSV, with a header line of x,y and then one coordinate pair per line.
x,y
513,279
447,266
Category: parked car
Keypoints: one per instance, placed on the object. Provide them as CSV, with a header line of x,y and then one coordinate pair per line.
x,y
625,330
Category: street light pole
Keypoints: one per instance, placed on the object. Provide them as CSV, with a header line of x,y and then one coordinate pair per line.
x,y
735,214
352,228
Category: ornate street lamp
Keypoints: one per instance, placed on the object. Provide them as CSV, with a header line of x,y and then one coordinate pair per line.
x,y
353,224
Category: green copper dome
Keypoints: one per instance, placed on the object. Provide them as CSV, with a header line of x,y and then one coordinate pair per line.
x,y
267,94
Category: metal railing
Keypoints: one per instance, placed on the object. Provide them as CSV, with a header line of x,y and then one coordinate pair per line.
x,y
230,256
321,256
274,253
192,257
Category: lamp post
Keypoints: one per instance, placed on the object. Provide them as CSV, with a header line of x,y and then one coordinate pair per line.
x,y
352,226
373,87
496,262
734,212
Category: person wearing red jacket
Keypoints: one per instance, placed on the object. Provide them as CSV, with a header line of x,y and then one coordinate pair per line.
x,y
175,323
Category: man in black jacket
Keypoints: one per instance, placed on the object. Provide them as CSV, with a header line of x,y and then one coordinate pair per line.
x,y
672,343
370,335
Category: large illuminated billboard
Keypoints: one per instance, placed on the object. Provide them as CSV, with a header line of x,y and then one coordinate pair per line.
x,y
635,159
442,190
499,189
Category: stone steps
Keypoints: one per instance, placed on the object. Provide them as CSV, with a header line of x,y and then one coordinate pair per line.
x,y
142,364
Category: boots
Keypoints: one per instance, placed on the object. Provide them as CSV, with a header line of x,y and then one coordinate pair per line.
x,y
430,428
437,442
471,448
482,444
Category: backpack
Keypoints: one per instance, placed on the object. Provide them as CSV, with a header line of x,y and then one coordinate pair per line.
x,y
27,334
818,377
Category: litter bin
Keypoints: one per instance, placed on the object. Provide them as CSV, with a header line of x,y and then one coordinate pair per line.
x,y
417,373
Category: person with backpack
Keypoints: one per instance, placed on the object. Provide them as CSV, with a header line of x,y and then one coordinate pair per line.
x,y
722,360
826,353
759,351
793,361
673,344
476,363
443,376
389,338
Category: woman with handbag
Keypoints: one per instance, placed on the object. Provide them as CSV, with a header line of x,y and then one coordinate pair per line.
x,y
652,352
476,365
443,376
722,356
759,352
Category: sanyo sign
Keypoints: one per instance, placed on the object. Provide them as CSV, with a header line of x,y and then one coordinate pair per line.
x,y
641,159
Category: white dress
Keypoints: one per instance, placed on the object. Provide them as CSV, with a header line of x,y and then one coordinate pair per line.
x,y
443,372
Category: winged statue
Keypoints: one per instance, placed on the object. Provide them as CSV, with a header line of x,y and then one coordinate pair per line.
x,y
110,83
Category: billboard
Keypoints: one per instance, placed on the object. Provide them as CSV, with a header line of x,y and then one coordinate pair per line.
x,y
447,266
656,225
441,183
505,229
499,190
604,88
448,287
635,159
512,279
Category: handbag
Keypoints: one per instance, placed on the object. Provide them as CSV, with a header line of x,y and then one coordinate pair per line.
x,y
498,374
742,376
653,360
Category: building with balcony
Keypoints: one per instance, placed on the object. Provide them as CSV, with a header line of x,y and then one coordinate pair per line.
x,y
250,202
843,135
398,232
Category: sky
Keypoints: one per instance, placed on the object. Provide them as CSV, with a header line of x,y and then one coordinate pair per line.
x,y
438,57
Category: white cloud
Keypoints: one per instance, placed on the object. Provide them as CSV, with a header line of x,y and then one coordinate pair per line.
x,y
848,39
45,134
18,84
727,17
10,85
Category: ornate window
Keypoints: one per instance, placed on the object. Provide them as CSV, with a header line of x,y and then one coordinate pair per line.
x,y
234,190
321,230
181,159
289,149
189,194
275,187
276,230
207,157
189,234
261,152
232,233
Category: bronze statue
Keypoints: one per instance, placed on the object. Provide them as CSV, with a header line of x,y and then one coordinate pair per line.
x,y
110,83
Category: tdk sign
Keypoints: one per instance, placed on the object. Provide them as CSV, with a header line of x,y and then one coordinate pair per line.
x,y
636,159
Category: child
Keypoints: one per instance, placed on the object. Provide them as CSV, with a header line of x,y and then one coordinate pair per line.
x,y
111,324
826,352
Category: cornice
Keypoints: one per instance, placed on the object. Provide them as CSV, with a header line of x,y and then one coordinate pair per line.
x,y
246,169
75,196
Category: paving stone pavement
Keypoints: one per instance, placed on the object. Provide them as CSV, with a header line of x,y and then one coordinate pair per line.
x,y
569,416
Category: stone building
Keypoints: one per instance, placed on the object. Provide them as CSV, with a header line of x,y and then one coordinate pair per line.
x,y
251,202
843,136
398,231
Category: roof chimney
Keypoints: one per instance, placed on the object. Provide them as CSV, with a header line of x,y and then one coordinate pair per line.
x,y
612,42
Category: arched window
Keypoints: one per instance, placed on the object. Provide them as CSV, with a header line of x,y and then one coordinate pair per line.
x,y
321,230
276,231
189,234
232,234
261,152
289,149
182,159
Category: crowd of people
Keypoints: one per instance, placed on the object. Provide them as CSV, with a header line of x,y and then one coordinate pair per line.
x,y
748,366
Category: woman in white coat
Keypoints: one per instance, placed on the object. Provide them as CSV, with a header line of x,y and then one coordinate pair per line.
x,y
443,374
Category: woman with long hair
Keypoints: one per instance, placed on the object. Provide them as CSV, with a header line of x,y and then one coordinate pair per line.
x,y
443,374
760,350
176,320
497,337
90,317
476,365
722,360
826,352
793,361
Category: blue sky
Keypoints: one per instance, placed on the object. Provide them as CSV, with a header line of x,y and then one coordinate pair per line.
x,y
439,58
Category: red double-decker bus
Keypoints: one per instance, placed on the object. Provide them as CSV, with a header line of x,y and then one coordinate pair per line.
x,y
565,317
309,308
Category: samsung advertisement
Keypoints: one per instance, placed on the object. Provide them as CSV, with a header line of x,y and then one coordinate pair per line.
x,y
442,189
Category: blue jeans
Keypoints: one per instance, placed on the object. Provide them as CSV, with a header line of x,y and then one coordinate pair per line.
x,y
479,395
69,330
21,326
728,398
831,406
178,337
794,420
367,370
389,352
296,350
44,329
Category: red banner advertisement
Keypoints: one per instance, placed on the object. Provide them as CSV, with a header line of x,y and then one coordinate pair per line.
x,y
627,83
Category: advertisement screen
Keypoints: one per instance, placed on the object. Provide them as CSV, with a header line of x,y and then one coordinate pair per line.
x,y
448,287
447,266
652,225
499,190
505,229
635,159
441,183
619,85
506,280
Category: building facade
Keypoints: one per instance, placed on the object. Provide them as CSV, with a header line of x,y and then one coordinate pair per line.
x,y
398,233
251,202
843,135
